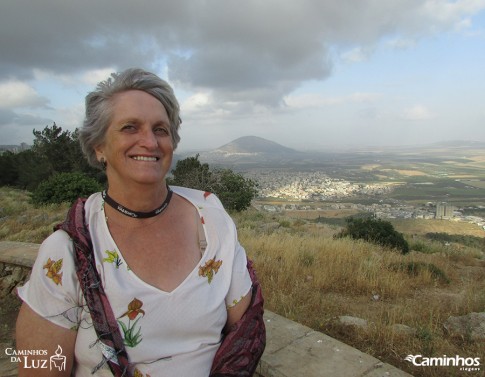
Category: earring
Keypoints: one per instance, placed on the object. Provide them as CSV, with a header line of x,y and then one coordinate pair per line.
x,y
104,164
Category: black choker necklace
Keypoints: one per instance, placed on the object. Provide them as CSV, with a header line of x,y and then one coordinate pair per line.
x,y
135,214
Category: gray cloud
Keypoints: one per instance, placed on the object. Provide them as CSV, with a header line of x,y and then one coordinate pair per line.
x,y
242,51
8,117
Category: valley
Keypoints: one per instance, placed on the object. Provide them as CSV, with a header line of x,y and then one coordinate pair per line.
x,y
392,183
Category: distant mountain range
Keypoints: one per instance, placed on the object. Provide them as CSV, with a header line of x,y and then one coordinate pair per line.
x,y
256,151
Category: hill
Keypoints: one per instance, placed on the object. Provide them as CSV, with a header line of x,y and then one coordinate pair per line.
x,y
250,150
253,151
252,145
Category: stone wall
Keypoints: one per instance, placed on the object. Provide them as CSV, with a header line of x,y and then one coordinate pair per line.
x,y
11,276
16,261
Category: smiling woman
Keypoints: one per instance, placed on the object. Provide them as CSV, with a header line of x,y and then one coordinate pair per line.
x,y
154,281
138,146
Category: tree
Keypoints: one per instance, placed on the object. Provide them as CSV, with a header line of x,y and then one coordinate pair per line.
x,y
62,150
54,151
376,231
8,169
234,191
32,169
190,172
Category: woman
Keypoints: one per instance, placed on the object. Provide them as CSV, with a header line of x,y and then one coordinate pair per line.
x,y
166,259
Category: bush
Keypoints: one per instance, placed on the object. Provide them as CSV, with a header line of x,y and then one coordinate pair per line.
x,y
421,247
234,191
470,241
414,268
425,246
65,187
376,231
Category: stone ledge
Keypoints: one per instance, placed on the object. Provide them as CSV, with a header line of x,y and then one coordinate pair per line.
x,y
18,253
296,350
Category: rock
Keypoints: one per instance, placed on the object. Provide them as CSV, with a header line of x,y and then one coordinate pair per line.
x,y
10,278
17,274
7,283
470,326
353,321
403,329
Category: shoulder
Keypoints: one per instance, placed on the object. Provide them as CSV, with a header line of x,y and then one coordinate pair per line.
x,y
198,198
93,204
59,241
209,207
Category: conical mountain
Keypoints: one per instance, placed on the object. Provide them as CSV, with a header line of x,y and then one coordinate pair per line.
x,y
254,145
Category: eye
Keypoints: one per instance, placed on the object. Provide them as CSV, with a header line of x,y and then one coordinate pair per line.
x,y
128,127
161,130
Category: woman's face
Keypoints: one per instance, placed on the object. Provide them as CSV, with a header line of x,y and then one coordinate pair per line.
x,y
138,145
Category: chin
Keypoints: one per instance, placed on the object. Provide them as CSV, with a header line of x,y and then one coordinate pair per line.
x,y
149,180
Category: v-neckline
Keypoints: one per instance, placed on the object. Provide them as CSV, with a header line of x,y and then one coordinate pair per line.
x,y
202,237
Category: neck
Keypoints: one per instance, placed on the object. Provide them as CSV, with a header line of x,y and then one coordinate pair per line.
x,y
137,214
141,199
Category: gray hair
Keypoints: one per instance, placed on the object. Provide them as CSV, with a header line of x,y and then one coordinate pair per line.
x,y
99,107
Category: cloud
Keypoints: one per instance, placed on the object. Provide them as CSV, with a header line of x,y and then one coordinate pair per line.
x,y
417,113
9,117
32,120
6,116
18,94
93,77
253,52
356,55
303,101
90,77
401,43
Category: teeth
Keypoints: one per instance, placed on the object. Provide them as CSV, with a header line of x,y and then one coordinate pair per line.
x,y
142,158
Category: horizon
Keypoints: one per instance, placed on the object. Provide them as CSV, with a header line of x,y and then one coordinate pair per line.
x,y
360,148
310,75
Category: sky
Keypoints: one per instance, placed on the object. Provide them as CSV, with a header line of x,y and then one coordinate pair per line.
x,y
308,74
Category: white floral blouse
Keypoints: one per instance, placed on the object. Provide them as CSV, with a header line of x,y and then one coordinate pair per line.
x,y
165,333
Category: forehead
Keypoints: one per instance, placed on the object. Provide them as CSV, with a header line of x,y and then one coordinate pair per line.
x,y
136,103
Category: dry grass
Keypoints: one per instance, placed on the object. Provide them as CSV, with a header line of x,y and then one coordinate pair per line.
x,y
420,227
309,277
20,221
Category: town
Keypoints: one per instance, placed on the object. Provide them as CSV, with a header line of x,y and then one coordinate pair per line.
x,y
333,193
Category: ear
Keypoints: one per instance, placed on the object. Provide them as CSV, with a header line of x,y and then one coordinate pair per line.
x,y
99,152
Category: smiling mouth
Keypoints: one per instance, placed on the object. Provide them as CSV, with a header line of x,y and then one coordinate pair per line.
x,y
143,158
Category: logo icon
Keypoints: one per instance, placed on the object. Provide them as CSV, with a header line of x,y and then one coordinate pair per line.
x,y
58,360
411,358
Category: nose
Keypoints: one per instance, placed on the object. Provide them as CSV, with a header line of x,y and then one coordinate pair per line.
x,y
148,139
